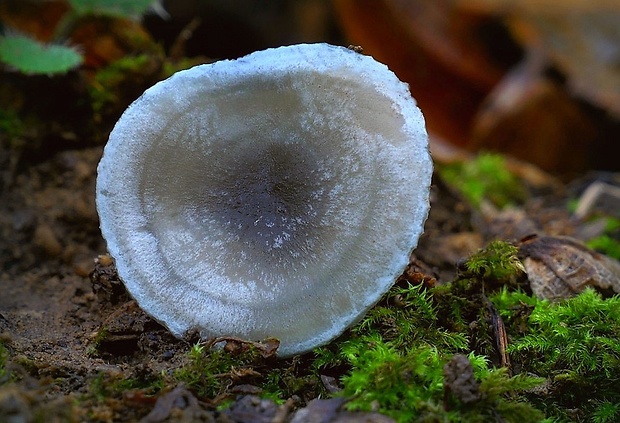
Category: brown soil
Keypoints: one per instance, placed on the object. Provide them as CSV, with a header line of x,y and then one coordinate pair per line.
x,y
49,315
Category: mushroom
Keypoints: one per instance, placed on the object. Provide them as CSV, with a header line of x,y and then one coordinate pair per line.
x,y
276,195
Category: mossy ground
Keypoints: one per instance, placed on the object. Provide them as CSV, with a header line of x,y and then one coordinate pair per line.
x,y
564,358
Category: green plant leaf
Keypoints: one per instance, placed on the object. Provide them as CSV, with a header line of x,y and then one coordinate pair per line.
x,y
30,56
121,8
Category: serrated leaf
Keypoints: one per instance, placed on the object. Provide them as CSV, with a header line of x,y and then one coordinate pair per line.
x,y
117,8
30,56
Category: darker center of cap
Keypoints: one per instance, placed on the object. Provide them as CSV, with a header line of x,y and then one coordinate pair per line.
x,y
270,196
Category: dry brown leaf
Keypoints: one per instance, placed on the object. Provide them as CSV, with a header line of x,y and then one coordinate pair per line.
x,y
533,118
35,18
561,267
581,37
586,48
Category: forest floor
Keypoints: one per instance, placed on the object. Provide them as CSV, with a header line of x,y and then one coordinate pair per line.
x,y
71,335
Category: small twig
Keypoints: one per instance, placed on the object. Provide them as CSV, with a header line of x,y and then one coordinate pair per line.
x,y
593,195
499,330
177,50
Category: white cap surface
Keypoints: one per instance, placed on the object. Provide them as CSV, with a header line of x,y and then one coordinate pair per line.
x,y
276,195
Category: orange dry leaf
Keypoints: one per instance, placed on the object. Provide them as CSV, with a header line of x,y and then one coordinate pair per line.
x,y
38,19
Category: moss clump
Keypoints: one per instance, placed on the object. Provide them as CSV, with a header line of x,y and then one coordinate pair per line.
x,y
443,315
463,305
212,372
408,316
396,355
606,412
498,261
402,384
575,344
396,358
105,386
114,86
485,178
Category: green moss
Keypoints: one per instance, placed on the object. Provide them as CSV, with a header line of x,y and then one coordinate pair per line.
x,y
463,306
401,383
208,373
497,261
211,372
109,84
608,243
407,316
393,360
587,328
484,178
11,125
503,396
4,356
99,387
613,224
100,337
575,344
105,386
606,412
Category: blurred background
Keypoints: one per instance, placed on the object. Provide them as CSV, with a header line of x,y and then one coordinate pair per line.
x,y
538,80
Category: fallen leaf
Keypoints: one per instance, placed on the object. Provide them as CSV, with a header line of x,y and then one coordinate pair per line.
x,y
561,267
